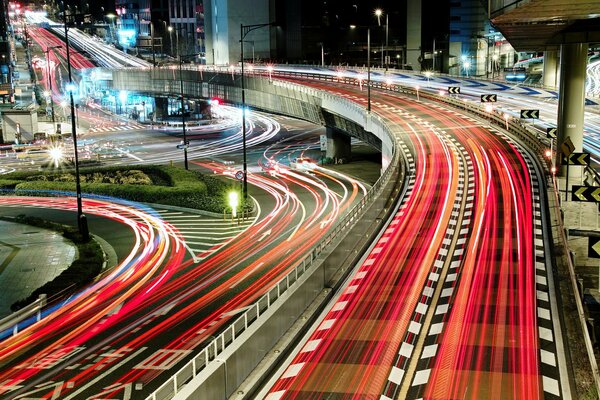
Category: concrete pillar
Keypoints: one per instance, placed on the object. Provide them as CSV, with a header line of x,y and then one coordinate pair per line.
x,y
571,100
550,73
162,108
413,34
338,145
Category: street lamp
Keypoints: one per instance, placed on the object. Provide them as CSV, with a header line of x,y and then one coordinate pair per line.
x,y
245,30
378,14
368,66
111,29
47,51
81,218
467,65
185,142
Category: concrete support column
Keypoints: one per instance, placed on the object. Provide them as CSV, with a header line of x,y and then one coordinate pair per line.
x,y
571,100
338,145
162,108
550,73
413,34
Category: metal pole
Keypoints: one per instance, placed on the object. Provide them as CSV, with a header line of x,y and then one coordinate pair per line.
x,y
387,61
185,143
245,187
50,85
433,55
152,39
368,69
322,55
81,218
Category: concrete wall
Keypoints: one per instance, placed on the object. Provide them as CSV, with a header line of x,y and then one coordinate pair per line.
x,y
19,123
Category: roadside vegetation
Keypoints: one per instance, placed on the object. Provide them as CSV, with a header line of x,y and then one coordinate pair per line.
x,y
143,183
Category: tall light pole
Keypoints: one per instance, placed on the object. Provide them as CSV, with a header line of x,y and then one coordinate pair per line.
x,y
244,30
81,218
368,66
185,141
47,51
170,29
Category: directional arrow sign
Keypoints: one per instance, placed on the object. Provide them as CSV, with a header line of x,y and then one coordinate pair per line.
x,y
579,159
551,133
586,193
567,147
594,247
489,98
454,89
530,114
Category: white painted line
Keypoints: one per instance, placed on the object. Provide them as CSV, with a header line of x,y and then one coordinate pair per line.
x,y
351,289
547,357
544,313
546,334
421,377
328,323
406,349
429,351
275,395
550,385
340,305
292,370
311,346
441,309
414,327
447,292
542,295
434,277
421,308
541,280
450,277
427,291
396,375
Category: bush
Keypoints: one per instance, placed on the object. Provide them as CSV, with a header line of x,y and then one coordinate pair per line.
x,y
148,183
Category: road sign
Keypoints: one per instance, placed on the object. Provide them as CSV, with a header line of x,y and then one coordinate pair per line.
x,y
323,142
454,89
567,147
578,159
586,193
551,133
530,114
594,247
489,98
239,175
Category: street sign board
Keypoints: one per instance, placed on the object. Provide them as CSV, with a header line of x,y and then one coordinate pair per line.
x,y
586,193
239,175
454,89
582,159
594,247
567,147
489,98
551,133
530,114
323,142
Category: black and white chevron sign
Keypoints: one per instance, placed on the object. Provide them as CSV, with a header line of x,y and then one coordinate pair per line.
x,y
530,114
454,89
489,98
551,133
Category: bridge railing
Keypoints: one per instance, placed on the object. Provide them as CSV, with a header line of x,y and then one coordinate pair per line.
x,y
209,354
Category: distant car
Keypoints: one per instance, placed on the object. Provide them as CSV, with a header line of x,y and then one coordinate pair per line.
x,y
303,163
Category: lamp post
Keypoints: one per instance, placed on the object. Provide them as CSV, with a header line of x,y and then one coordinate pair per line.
x,y
368,66
47,51
185,142
245,30
81,218
111,30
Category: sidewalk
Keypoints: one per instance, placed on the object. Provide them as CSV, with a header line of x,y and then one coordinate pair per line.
x,y
29,257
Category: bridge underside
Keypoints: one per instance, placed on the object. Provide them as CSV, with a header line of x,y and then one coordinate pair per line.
x,y
536,24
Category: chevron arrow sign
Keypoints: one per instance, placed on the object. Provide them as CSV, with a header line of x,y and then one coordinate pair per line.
x,y
551,133
454,89
579,159
586,193
594,247
530,114
489,98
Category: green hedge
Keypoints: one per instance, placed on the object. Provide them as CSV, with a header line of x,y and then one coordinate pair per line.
x,y
81,271
169,185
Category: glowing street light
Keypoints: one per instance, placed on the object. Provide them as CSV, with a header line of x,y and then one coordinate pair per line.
x,y
234,202
56,155
417,88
